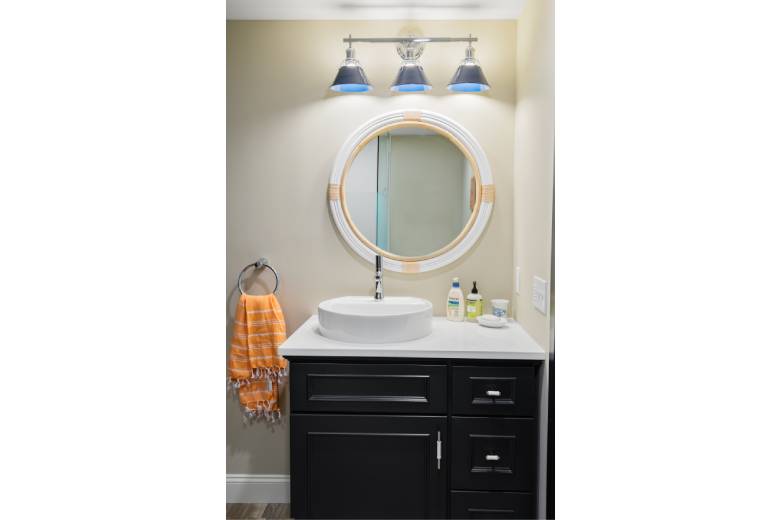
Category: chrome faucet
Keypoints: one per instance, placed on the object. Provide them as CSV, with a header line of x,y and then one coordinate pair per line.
x,y
378,292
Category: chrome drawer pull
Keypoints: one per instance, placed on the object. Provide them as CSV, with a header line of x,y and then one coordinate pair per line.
x,y
494,393
491,457
438,450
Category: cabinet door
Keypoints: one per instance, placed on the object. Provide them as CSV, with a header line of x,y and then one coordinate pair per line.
x,y
353,466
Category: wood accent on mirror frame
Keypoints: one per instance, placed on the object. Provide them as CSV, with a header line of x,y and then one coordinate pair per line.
x,y
410,267
462,139
489,193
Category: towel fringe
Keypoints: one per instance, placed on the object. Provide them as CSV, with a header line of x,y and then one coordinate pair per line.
x,y
267,374
263,410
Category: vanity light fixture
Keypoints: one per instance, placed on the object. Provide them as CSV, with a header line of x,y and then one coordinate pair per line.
x,y
350,77
411,76
469,76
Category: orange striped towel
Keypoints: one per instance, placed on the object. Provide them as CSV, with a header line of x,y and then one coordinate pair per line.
x,y
255,367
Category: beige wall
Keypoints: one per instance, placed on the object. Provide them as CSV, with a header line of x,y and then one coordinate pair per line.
x,y
534,148
284,129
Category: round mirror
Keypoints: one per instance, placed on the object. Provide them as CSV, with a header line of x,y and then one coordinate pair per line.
x,y
413,187
410,191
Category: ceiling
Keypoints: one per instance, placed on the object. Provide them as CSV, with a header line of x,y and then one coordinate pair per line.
x,y
373,9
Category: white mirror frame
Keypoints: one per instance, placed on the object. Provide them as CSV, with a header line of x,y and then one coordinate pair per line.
x,y
464,242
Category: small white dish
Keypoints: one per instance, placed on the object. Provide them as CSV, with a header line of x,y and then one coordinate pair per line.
x,y
488,320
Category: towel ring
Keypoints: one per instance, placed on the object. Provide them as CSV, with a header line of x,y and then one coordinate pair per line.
x,y
263,262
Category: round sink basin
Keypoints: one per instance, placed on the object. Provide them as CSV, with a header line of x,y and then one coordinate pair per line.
x,y
361,319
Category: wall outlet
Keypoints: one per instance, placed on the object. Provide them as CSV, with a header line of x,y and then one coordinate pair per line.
x,y
539,295
517,280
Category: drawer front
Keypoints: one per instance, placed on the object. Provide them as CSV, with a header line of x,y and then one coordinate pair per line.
x,y
367,387
495,390
493,454
492,504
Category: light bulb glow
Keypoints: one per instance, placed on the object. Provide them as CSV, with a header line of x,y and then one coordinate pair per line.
x,y
411,87
351,87
468,87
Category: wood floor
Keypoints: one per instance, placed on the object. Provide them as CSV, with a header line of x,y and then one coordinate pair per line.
x,y
241,511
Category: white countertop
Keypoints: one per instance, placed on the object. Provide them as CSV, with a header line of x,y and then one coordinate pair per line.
x,y
459,340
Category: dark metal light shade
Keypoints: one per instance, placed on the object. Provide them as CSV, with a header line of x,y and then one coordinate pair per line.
x,y
469,76
350,77
411,78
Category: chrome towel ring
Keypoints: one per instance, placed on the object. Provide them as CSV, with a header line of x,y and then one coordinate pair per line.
x,y
263,262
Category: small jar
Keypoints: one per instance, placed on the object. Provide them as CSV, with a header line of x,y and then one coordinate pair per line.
x,y
500,307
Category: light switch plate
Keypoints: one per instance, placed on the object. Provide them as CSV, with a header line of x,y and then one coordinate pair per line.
x,y
539,295
517,280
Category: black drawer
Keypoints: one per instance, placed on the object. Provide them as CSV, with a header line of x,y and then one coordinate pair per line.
x,y
495,390
367,387
492,504
493,454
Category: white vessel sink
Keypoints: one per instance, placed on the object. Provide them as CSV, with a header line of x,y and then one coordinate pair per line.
x,y
361,319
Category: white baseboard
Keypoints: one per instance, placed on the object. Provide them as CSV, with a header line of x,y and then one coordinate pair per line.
x,y
255,488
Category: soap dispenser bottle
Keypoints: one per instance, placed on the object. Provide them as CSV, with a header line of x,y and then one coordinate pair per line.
x,y
473,304
455,307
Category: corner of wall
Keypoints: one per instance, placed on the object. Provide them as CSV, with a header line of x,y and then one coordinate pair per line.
x,y
533,161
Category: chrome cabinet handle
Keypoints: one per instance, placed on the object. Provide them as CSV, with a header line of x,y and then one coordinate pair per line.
x,y
494,393
438,450
492,457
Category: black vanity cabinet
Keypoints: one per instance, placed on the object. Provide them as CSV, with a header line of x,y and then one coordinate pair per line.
x,y
400,438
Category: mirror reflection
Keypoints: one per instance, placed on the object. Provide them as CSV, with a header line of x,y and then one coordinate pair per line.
x,y
410,191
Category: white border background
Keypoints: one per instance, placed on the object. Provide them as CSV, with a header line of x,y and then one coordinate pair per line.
x,y
438,121
112,281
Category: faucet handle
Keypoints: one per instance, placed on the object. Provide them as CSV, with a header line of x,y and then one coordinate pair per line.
x,y
378,262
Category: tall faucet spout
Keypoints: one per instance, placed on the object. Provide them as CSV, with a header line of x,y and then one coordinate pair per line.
x,y
378,291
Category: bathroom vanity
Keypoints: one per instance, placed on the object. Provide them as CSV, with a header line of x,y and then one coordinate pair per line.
x,y
444,426
394,413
